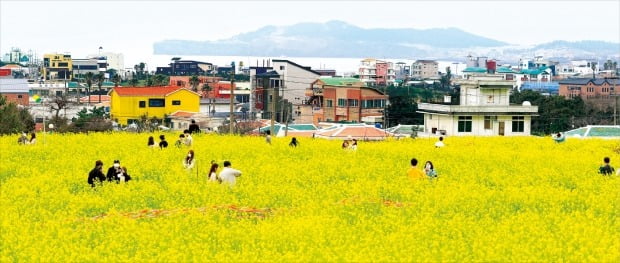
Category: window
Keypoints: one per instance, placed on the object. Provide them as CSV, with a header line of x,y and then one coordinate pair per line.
x,y
176,102
19,96
342,102
329,103
518,123
464,124
157,103
488,122
281,67
373,103
142,104
353,103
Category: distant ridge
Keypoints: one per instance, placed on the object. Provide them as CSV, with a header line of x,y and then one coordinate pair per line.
x,y
339,39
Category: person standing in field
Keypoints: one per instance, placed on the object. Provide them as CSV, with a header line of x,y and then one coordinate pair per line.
x,y
414,172
294,142
439,144
228,175
33,138
213,173
429,170
268,137
606,168
194,128
96,174
162,142
345,144
189,160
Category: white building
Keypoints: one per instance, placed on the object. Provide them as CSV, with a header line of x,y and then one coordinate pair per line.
x,y
114,60
484,110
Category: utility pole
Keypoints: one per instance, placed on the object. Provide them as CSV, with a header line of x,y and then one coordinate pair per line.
x,y
232,98
273,106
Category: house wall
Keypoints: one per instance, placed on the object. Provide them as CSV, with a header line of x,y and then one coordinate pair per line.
x,y
449,124
124,108
296,81
19,98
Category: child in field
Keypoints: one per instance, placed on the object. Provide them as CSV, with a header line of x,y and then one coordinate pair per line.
x,y
189,161
606,169
414,172
294,142
429,170
353,145
180,141
162,143
23,139
188,138
559,137
439,144
124,176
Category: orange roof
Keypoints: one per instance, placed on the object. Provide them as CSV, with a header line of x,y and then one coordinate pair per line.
x,y
354,131
145,91
95,98
185,114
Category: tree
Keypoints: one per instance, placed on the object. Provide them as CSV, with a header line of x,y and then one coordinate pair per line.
x,y
133,82
117,80
445,79
100,78
92,120
206,89
59,103
14,118
159,80
89,77
194,81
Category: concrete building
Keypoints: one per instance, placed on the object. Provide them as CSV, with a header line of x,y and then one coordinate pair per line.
x,y
484,110
57,66
15,90
376,72
424,69
345,99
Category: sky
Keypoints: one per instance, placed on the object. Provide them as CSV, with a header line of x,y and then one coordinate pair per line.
x,y
131,28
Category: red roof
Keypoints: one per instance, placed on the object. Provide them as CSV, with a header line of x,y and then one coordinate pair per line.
x,y
145,91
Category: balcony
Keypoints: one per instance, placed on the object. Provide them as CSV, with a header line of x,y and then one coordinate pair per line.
x,y
475,110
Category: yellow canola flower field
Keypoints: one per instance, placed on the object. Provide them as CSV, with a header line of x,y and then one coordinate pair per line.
x,y
496,199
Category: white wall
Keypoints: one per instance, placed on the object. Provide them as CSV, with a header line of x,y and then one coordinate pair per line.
x,y
296,81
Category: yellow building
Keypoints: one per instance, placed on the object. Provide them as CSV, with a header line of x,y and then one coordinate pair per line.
x,y
128,104
57,66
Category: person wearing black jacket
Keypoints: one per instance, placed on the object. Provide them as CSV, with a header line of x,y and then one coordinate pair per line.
x,y
163,143
96,175
194,128
114,171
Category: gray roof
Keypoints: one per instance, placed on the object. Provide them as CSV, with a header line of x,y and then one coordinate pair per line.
x,y
585,81
309,69
14,86
217,101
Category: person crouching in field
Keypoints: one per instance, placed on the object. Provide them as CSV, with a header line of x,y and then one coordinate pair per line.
x,y
413,172
162,143
606,169
124,176
115,173
96,174
189,160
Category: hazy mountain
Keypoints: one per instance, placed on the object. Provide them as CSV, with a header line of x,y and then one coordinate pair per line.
x,y
339,39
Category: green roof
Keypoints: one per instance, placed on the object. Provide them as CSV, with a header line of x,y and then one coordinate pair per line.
x,y
504,70
72,84
302,127
532,71
475,70
340,81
